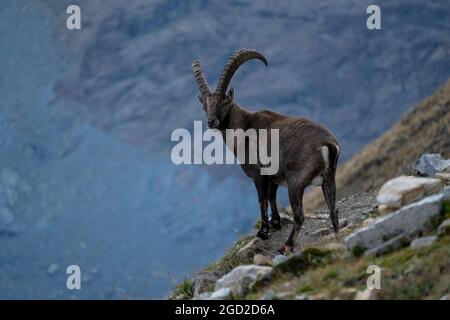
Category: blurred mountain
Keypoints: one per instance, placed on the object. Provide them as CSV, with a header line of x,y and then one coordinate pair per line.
x,y
131,62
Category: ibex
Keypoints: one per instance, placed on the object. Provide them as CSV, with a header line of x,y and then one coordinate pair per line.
x,y
308,152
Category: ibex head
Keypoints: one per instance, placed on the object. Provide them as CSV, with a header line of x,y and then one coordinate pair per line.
x,y
217,105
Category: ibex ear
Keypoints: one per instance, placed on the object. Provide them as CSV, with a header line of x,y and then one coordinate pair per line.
x,y
200,98
230,95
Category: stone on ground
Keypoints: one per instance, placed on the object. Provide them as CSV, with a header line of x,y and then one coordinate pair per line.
x,y
444,228
404,190
430,164
242,278
262,260
407,220
423,242
220,294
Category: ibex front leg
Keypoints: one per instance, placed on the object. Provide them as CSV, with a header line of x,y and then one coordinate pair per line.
x,y
275,221
262,186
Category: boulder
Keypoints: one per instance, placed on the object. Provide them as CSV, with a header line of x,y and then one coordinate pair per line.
x,y
268,295
444,228
242,278
404,190
423,242
220,294
444,177
204,281
203,296
262,260
407,220
430,164
279,258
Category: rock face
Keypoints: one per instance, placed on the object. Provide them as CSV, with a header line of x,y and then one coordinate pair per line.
x,y
407,220
403,190
430,164
242,278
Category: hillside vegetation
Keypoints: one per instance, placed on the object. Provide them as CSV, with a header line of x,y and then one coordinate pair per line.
x,y
424,129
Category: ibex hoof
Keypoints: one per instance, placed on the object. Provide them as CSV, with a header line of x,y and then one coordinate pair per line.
x,y
285,250
276,225
262,235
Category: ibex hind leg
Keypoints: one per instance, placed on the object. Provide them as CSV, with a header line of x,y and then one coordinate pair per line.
x,y
296,200
329,193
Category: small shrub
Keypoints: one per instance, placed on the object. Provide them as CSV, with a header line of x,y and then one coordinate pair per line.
x,y
307,259
358,250
184,290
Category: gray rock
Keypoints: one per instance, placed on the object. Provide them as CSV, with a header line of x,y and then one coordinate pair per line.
x,y
220,294
279,258
203,296
423,242
390,245
242,278
204,281
430,164
446,193
444,228
407,220
268,295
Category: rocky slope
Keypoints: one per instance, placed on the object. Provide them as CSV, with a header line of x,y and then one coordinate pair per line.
x,y
404,231
424,129
410,246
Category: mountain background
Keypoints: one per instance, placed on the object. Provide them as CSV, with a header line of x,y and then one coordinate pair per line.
x,y
86,118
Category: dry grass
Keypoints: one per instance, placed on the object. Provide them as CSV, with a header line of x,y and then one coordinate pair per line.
x,y
425,129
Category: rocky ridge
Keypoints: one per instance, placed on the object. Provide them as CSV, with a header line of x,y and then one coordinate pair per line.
x,y
409,214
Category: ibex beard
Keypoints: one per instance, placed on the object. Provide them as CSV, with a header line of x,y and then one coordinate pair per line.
x,y
308,151
250,147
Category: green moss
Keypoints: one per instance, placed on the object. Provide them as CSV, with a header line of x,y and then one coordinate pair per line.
x,y
309,258
358,250
331,274
304,288
406,274
446,210
230,260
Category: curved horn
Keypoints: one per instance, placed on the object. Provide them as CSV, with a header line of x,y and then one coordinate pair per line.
x,y
200,78
238,58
